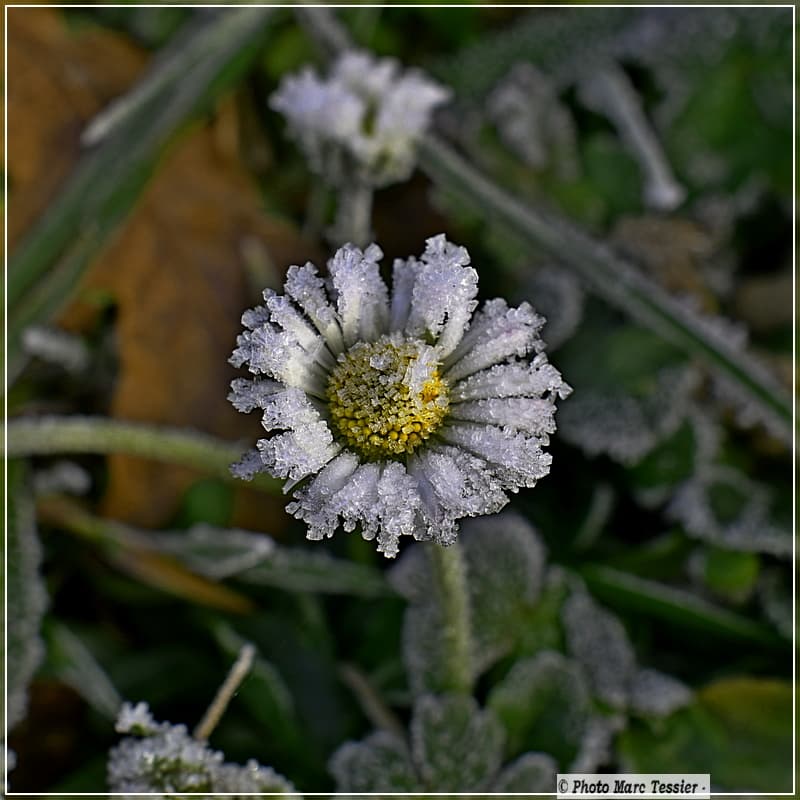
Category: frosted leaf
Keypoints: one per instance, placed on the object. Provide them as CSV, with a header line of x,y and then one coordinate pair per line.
x,y
532,122
596,747
517,379
532,772
424,655
455,744
497,334
775,597
443,297
362,299
217,553
517,459
560,299
544,705
164,760
722,506
25,592
505,564
597,639
626,427
380,763
654,694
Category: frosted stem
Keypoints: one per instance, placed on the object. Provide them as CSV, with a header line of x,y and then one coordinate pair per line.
x,y
29,436
611,93
450,574
228,689
353,215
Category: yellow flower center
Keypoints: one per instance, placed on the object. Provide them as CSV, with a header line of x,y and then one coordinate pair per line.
x,y
387,397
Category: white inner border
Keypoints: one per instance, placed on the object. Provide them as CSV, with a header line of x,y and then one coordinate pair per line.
x,y
400,5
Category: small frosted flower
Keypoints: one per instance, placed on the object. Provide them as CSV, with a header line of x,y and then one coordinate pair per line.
x,y
367,116
400,413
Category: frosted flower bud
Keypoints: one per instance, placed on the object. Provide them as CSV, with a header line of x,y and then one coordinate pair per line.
x,y
398,412
365,117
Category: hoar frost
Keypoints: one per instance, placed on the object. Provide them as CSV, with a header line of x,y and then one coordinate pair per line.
x,y
401,412
365,118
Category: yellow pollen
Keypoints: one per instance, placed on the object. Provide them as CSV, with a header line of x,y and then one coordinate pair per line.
x,y
376,406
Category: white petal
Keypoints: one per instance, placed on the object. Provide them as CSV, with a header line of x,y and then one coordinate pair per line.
x,y
404,275
517,459
496,334
307,289
444,295
284,314
399,501
362,298
531,415
299,453
512,380
434,522
464,484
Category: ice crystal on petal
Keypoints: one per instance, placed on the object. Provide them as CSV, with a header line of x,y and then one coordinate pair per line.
x,y
399,411
366,117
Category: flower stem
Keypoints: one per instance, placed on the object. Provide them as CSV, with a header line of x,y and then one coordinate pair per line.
x,y
225,693
29,436
354,215
450,575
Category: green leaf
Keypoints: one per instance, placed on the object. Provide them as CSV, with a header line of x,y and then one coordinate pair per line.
x,y
544,705
739,730
676,606
25,591
44,270
455,745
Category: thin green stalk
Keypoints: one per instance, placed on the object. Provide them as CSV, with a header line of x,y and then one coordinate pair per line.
x,y
51,435
450,576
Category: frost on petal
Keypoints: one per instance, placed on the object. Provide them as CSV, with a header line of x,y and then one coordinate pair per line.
x,y
518,379
307,289
382,499
497,333
404,276
361,296
598,640
247,395
248,465
535,416
284,314
516,459
298,453
462,482
443,296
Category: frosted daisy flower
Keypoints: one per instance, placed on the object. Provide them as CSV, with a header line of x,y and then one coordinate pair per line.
x,y
366,116
397,413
